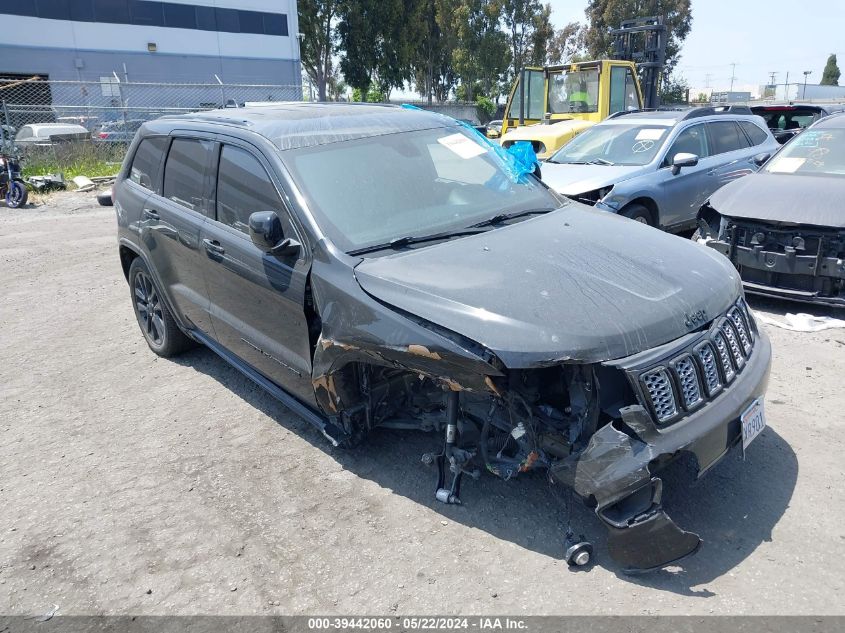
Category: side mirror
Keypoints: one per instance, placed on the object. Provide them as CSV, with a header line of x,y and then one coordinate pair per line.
x,y
682,159
265,231
760,159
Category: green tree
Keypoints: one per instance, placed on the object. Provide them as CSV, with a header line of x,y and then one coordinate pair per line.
x,y
674,90
377,41
831,74
529,30
565,44
318,41
604,15
479,48
434,74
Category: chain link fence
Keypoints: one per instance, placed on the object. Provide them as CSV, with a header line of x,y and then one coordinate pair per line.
x,y
93,122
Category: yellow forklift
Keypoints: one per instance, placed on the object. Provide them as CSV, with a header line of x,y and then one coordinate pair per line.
x,y
549,106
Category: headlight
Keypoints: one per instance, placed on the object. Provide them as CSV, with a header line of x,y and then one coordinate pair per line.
x,y
592,197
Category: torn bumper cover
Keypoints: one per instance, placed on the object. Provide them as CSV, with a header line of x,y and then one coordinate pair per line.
x,y
615,472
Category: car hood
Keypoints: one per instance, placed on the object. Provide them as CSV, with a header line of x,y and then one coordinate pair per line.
x,y
787,198
571,180
576,285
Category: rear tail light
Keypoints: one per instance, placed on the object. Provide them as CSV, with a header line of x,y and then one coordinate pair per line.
x,y
103,134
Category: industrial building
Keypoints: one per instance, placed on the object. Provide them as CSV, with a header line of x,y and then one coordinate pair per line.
x,y
235,41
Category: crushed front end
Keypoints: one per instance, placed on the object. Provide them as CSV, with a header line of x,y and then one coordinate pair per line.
x,y
801,263
690,396
602,429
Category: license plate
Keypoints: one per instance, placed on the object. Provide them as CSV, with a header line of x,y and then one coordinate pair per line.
x,y
753,422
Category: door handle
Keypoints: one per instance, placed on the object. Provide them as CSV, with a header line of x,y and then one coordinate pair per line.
x,y
151,214
213,246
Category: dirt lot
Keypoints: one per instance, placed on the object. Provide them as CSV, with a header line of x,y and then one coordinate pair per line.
x,y
135,485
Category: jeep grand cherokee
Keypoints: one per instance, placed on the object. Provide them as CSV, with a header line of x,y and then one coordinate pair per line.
x,y
375,266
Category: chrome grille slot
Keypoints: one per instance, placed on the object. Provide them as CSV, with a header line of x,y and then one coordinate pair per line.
x,y
724,356
658,386
684,367
739,323
746,312
707,356
733,344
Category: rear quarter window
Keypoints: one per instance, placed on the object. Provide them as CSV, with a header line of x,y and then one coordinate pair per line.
x,y
146,164
757,136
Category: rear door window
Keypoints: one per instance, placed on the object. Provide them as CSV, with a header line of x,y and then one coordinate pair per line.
x,y
753,132
146,163
184,172
725,136
243,187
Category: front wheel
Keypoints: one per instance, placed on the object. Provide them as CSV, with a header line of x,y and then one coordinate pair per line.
x,y
638,213
17,194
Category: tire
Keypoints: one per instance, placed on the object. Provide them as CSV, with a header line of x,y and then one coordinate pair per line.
x,y
638,213
157,324
17,195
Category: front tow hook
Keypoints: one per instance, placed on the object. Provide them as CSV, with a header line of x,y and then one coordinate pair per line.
x,y
642,537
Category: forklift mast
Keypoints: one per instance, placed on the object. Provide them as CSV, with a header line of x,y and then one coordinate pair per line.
x,y
643,41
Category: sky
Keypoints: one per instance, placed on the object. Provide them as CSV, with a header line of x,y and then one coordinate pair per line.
x,y
760,36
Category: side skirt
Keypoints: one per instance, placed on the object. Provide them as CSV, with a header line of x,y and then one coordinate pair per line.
x,y
334,434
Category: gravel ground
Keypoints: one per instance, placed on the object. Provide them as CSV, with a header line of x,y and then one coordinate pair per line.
x,y
131,484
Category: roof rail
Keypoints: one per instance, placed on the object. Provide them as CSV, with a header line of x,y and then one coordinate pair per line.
x,y
624,112
714,110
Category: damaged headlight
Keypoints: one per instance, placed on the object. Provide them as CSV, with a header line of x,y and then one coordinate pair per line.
x,y
594,196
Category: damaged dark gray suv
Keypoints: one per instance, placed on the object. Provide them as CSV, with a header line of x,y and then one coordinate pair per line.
x,y
375,266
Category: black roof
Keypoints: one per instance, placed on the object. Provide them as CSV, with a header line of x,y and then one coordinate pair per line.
x,y
297,124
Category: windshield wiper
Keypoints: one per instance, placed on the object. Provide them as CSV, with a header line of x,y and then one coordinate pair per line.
x,y
600,161
408,240
504,217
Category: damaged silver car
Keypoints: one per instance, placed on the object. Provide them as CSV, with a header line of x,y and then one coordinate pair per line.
x,y
381,267
784,227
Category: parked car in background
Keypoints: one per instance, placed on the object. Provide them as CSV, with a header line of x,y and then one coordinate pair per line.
x,y
787,121
376,266
34,134
119,131
784,227
494,128
658,167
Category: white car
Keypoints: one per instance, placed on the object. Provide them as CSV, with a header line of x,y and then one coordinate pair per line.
x,y
49,133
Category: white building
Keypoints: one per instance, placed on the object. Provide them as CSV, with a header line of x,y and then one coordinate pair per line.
x,y
239,41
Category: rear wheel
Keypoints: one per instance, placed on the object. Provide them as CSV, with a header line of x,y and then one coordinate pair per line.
x,y
17,195
157,324
638,213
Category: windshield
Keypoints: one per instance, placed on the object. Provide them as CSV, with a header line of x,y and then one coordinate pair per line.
x,y
817,152
617,144
373,190
574,91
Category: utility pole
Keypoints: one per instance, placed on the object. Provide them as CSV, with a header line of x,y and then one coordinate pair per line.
x,y
786,87
806,74
773,74
733,76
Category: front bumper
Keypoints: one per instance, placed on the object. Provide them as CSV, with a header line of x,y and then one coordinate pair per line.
x,y
767,273
615,472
